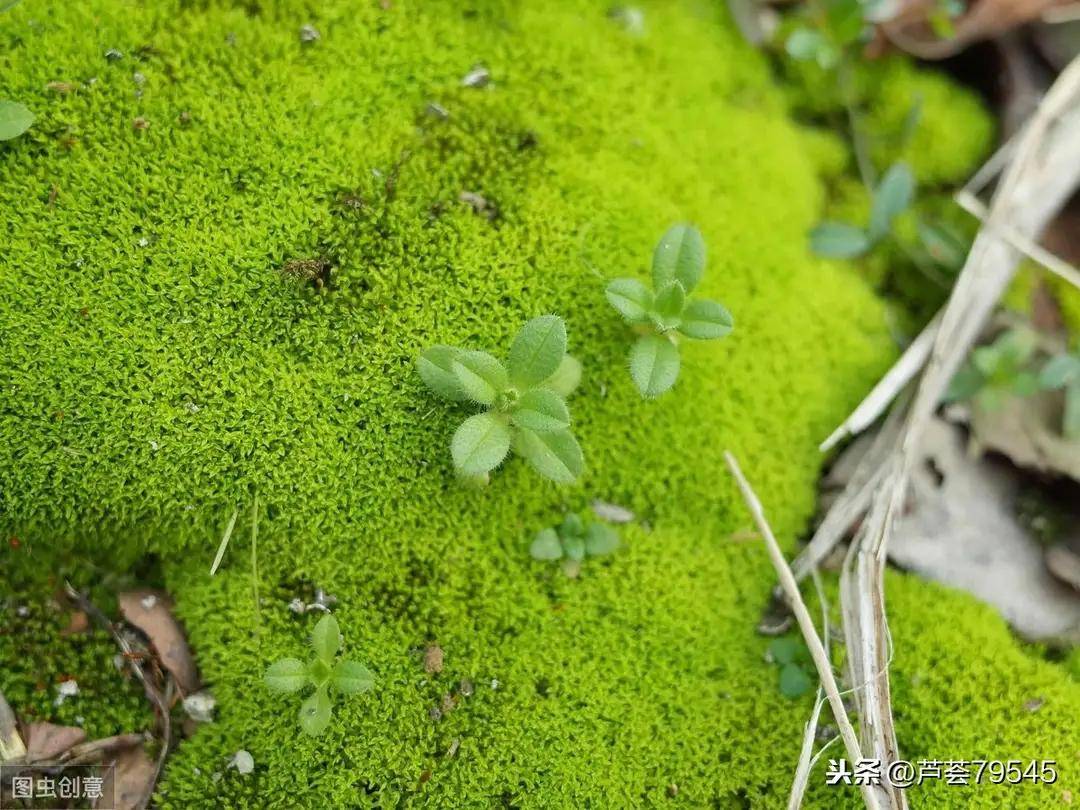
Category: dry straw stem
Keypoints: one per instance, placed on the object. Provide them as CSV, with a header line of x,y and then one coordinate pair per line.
x,y
806,624
806,761
11,744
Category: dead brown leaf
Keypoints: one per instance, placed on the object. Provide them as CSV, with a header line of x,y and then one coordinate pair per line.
x,y
1028,431
130,783
79,623
48,741
433,659
151,612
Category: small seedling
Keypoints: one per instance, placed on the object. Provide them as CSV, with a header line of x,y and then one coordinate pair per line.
x,y
525,402
572,541
998,371
834,27
796,666
322,672
1063,372
840,240
662,313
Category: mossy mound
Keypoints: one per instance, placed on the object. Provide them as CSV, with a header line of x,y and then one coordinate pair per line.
x,y
164,366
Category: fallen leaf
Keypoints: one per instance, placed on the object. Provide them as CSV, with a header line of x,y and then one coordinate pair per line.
x,y
1028,431
130,782
433,659
151,612
78,623
48,741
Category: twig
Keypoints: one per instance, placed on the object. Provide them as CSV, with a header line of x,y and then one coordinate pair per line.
x,y
224,541
806,624
802,770
11,744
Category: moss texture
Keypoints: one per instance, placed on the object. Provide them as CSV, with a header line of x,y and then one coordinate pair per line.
x,y
162,367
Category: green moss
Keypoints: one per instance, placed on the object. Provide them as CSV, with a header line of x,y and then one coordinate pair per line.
x,y
160,370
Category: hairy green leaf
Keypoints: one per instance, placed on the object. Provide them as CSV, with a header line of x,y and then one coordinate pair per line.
x,y
554,455
631,298
286,675
315,713
838,240
480,444
351,678
891,197
546,545
669,304
326,638
654,364
480,376
436,368
15,119
566,378
706,320
600,539
537,350
541,410
679,256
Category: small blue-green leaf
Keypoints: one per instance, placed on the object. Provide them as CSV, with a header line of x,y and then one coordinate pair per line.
x,y
838,240
679,256
654,364
804,43
315,713
574,547
546,545
668,306
286,675
572,526
351,678
537,350
706,320
891,197
1060,371
794,682
785,650
554,455
566,378
480,444
15,119
436,368
964,384
631,298
326,637
600,539
541,410
480,376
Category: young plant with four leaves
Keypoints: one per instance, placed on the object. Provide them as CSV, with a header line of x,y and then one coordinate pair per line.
x,y
998,371
323,672
572,541
1063,372
524,401
840,240
665,311
796,666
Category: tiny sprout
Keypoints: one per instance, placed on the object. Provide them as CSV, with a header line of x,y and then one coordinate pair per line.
x,y
572,541
839,240
998,371
665,310
322,672
793,658
524,401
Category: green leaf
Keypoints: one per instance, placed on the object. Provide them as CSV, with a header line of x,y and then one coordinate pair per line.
x,y
574,547
566,378
803,44
1070,423
351,678
541,410
965,384
669,304
845,20
315,713
572,526
785,650
480,376
554,455
600,539
631,298
891,197
571,568
546,545
480,444
679,256
654,364
537,350
706,320
1059,371
794,682
436,368
326,638
838,240
943,246
286,675
15,119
